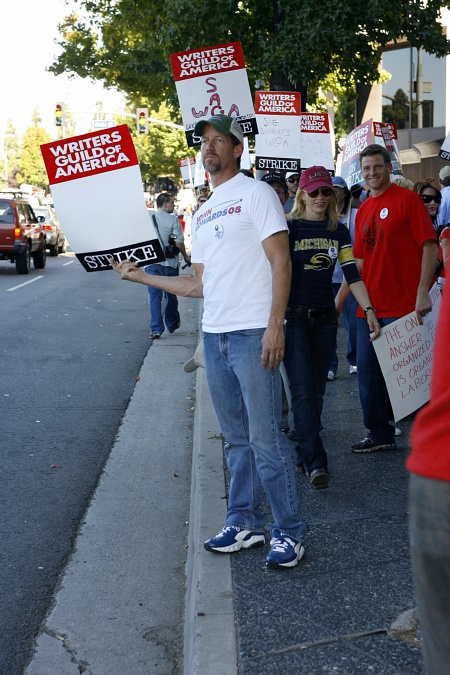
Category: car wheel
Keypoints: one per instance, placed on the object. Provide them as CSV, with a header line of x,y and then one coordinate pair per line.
x,y
54,250
62,247
23,262
40,258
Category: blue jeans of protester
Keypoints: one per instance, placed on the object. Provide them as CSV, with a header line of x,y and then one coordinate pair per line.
x,y
309,347
349,316
155,300
247,402
373,394
429,534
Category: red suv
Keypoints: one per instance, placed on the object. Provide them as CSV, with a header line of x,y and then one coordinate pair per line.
x,y
21,234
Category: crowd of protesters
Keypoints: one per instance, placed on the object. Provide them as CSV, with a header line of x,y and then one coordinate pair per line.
x,y
300,231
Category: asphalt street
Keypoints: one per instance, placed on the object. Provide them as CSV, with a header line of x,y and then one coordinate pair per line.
x,y
335,612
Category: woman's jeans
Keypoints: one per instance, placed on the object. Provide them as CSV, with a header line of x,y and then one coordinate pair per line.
x,y
309,348
429,534
155,299
247,402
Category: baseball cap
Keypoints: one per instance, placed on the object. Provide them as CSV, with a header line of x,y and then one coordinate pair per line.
x,y
292,173
339,182
315,177
223,124
276,177
444,172
197,361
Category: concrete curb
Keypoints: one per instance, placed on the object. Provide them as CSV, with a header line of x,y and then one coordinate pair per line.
x,y
210,644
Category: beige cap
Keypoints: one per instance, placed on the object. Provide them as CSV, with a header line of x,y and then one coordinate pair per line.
x,y
197,361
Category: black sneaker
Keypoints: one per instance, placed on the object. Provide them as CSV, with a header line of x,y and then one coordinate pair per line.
x,y
319,479
155,336
369,445
174,329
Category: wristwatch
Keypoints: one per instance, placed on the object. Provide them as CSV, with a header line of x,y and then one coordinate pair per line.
x,y
366,309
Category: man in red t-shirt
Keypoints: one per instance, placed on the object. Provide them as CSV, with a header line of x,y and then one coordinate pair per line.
x,y
396,250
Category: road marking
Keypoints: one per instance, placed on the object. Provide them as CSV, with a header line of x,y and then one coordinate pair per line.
x,y
25,283
68,263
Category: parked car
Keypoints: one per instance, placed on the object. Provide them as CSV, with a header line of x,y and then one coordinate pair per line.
x,y
54,236
21,234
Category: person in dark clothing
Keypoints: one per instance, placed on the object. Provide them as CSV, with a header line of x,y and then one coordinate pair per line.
x,y
316,240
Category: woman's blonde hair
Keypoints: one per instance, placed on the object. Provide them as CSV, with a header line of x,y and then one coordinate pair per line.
x,y
331,213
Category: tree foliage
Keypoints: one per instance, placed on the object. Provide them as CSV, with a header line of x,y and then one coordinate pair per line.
x,y
127,43
31,165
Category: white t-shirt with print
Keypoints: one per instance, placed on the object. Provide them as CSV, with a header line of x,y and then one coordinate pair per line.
x,y
227,235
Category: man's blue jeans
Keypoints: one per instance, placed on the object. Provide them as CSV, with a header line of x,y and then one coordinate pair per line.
x,y
429,534
309,348
155,300
373,394
247,402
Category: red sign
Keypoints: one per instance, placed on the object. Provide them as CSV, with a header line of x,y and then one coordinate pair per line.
x,y
209,60
277,103
89,154
317,123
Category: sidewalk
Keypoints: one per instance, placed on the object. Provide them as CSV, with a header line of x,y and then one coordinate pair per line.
x,y
119,610
335,611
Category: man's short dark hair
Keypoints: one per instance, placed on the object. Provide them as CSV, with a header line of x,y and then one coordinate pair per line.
x,y
162,199
375,149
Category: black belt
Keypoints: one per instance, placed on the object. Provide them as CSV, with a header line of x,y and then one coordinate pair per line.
x,y
308,312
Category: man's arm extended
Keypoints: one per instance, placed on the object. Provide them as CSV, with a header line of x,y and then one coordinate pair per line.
x,y
276,249
187,285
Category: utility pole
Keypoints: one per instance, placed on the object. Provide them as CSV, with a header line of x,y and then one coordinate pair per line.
x,y
419,90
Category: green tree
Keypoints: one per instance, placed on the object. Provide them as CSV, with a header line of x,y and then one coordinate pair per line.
x,y
159,150
31,166
398,111
12,150
287,43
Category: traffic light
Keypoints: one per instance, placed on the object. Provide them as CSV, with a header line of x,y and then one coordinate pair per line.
x,y
142,120
59,114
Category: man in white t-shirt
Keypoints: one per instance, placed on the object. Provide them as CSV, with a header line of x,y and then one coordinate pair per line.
x,y
241,266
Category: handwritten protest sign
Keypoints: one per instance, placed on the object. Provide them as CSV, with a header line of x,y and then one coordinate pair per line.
x,y
405,352
277,145
315,141
97,190
212,81
355,142
444,152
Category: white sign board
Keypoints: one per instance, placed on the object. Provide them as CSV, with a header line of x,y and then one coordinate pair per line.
x,y
96,186
212,81
277,144
444,152
405,351
316,147
187,169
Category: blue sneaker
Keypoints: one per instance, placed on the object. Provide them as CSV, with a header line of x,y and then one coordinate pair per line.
x,y
232,539
285,551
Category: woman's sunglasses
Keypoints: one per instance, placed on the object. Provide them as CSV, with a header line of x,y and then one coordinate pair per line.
x,y
325,191
427,199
